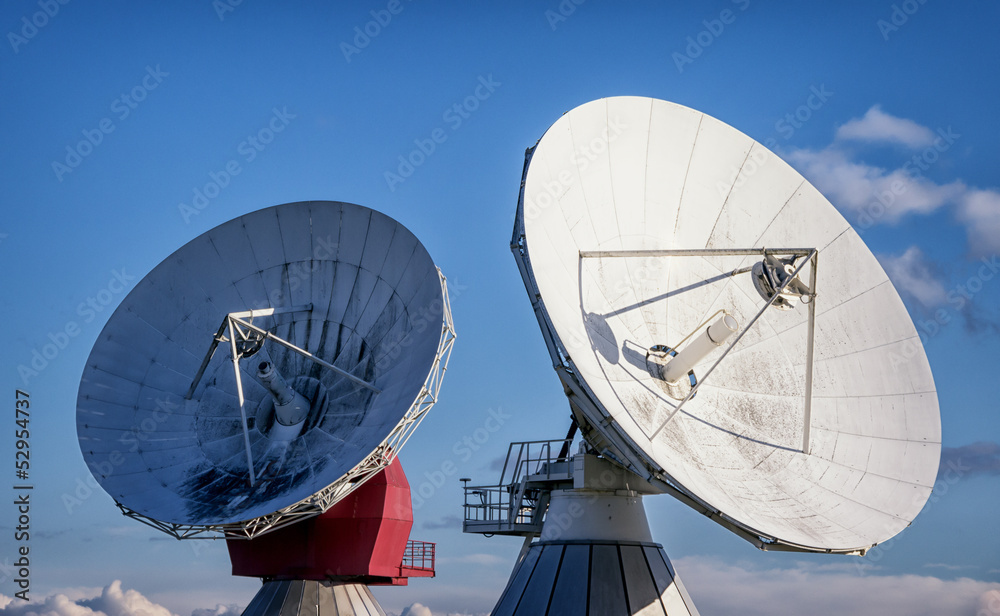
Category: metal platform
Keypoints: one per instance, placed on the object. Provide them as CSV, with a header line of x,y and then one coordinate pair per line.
x,y
516,505
531,472
418,559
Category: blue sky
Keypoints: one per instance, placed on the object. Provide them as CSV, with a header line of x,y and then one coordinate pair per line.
x,y
168,97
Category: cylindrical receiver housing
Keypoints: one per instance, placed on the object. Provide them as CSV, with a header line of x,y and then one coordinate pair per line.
x,y
696,350
290,407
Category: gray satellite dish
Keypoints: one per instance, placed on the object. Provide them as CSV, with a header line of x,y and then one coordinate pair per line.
x,y
722,331
265,370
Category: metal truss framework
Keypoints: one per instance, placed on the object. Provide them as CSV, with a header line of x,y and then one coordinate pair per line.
x,y
318,503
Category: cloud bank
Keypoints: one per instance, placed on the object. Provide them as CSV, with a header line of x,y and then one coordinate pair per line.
x,y
112,600
721,588
416,610
827,591
876,195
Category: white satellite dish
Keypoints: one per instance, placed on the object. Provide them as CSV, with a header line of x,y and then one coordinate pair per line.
x,y
800,411
265,369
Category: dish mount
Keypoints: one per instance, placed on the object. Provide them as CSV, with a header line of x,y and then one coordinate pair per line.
x,y
765,401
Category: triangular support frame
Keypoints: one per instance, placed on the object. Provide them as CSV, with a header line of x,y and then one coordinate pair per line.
x,y
811,256
318,503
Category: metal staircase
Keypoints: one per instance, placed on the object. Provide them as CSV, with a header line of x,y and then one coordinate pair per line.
x,y
517,504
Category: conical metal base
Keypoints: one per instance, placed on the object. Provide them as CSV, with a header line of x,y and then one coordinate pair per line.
x,y
601,578
313,598
595,558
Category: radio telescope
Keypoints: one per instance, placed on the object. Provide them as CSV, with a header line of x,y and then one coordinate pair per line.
x,y
265,371
724,336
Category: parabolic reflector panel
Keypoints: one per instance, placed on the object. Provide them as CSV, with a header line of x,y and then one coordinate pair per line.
x,y
375,310
627,174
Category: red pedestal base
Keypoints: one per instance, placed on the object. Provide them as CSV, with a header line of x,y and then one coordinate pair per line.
x,y
363,539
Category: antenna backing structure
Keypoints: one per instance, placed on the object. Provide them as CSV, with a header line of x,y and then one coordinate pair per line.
x,y
815,426
723,335
265,370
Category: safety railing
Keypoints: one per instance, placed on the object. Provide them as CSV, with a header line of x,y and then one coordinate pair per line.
x,y
510,505
532,458
419,555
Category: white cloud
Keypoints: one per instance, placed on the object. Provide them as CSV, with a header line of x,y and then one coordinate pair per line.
x,y
416,609
875,195
878,126
117,602
112,600
872,193
980,211
77,593
911,273
807,590
55,605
